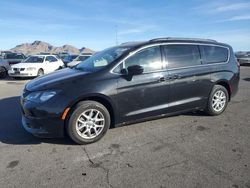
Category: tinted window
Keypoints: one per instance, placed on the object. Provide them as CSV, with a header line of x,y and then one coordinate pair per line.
x,y
118,68
213,54
47,58
149,59
52,59
34,59
179,55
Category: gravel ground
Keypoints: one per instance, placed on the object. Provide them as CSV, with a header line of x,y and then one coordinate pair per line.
x,y
190,150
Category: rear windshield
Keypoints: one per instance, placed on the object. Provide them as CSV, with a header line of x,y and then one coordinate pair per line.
x,y
213,54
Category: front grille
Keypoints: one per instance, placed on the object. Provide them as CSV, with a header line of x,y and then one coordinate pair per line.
x,y
18,69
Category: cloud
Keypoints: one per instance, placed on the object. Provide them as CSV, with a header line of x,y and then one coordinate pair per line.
x,y
131,31
140,29
237,18
217,7
232,7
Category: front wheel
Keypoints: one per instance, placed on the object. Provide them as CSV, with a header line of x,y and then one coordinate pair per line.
x,y
40,72
217,101
88,123
3,72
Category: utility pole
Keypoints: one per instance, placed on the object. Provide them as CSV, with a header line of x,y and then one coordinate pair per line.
x,y
116,35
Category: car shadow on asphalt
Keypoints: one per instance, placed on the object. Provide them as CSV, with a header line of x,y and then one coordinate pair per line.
x,y
11,130
247,79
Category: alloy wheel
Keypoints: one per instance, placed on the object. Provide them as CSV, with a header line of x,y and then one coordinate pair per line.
x,y
219,100
90,123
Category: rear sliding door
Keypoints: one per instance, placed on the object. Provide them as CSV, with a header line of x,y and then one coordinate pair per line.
x,y
189,79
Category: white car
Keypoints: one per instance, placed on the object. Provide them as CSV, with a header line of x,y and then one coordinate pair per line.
x,y
78,60
36,65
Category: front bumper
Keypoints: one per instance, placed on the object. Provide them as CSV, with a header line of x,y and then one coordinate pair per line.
x,y
41,127
39,122
22,73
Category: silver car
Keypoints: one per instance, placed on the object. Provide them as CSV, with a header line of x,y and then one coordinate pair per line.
x,y
243,59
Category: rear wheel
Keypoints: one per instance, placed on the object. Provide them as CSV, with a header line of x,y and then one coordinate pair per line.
x,y
88,122
3,72
40,72
217,101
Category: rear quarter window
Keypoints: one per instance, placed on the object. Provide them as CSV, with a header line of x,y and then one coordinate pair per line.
x,y
213,54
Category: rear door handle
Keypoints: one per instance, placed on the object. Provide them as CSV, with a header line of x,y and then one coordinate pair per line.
x,y
162,79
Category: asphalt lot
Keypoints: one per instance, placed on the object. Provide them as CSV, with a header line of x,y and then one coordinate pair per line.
x,y
190,150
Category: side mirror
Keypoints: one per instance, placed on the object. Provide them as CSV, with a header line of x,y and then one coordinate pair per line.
x,y
46,62
135,70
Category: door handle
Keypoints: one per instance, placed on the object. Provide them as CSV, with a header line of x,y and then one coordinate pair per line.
x,y
162,79
176,76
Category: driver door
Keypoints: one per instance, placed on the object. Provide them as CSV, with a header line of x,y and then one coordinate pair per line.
x,y
146,94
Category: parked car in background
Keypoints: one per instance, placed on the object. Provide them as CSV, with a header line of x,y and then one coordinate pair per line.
x,y
2,53
129,83
69,59
45,53
62,55
14,58
4,67
36,65
79,59
243,59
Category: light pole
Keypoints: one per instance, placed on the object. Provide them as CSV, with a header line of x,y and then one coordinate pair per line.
x,y
116,35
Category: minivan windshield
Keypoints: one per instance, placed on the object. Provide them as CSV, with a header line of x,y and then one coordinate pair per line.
x,y
81,58
102,59
34,59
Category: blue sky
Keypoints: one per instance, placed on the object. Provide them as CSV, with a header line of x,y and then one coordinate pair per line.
x,y
94,23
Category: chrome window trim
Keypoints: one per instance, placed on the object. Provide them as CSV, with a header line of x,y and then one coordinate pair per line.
x,y
166,61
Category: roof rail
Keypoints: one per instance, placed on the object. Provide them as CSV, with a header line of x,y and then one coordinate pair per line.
x,y
177,38
131,42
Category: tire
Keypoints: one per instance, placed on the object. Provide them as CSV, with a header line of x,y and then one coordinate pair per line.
x,y
3,72
85,130
40,72
217,101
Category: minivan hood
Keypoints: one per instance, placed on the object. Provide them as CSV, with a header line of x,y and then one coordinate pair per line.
x,y
53,80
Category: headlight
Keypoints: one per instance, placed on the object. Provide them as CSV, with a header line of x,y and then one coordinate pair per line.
x,y
41,96
31,69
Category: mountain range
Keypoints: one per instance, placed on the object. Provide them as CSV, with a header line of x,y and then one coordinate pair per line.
x,y
39,46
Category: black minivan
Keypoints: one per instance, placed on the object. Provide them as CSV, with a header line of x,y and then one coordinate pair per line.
x,y
132,82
